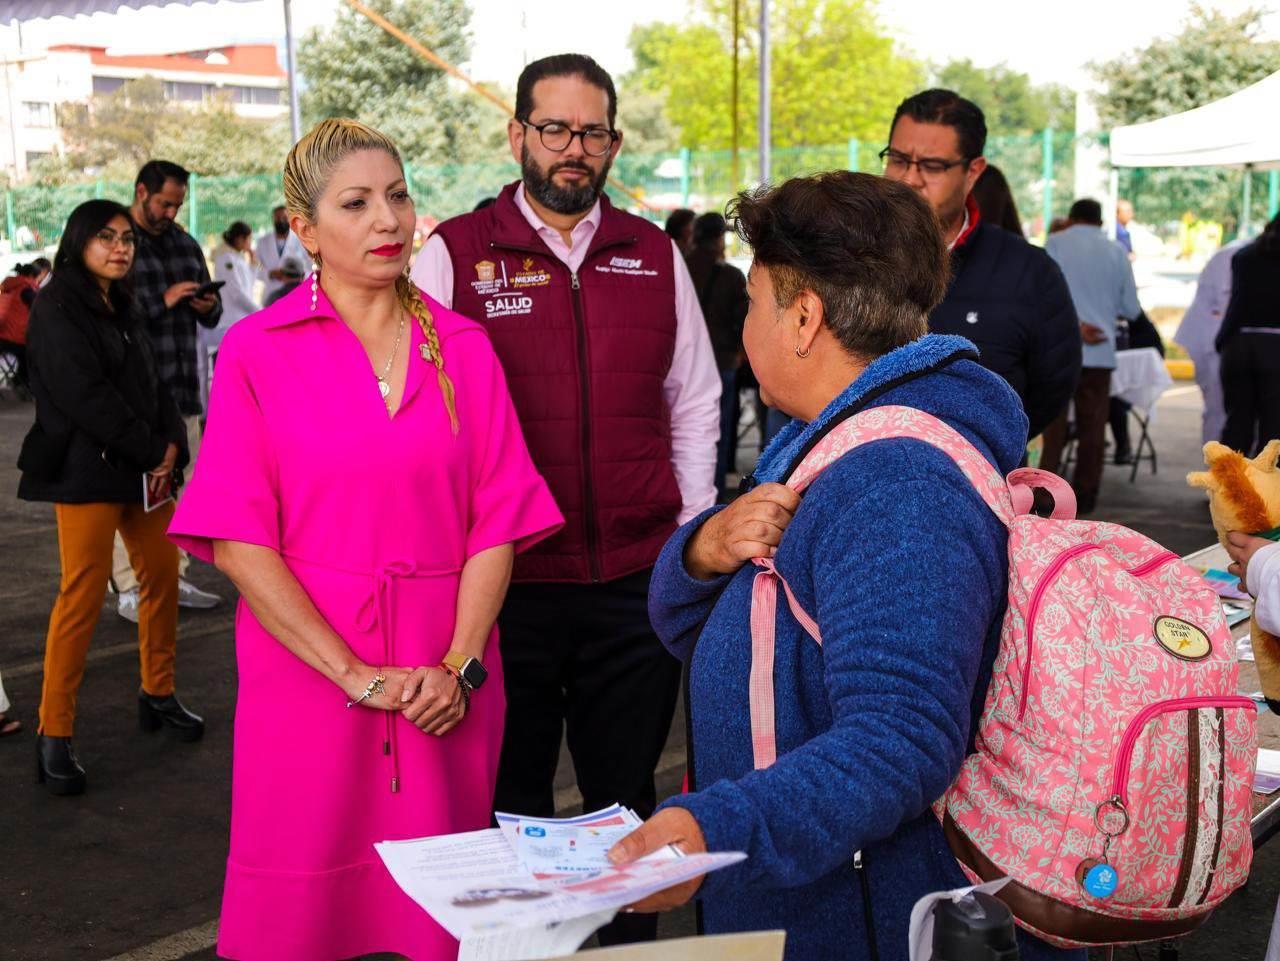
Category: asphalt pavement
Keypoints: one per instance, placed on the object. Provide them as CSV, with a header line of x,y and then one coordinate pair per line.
x,y
132,870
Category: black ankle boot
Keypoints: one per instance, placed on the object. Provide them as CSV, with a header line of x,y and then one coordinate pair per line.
x,y
57,766
156,712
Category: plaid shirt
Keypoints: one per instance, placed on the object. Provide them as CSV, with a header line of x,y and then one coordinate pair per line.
x,y
160,261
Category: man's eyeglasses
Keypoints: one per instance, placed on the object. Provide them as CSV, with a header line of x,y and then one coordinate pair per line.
x,y
109,238
898,164
555,136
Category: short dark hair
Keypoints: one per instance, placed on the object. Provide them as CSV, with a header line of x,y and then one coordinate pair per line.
x,y
1086,211
155,172
868,247
563,65
951,110
708,229
678,222
277,209
237,230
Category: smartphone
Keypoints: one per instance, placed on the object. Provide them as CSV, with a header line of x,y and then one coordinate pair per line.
x,y
210,288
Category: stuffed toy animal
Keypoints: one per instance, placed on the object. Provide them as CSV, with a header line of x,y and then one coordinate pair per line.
x,y
1244,495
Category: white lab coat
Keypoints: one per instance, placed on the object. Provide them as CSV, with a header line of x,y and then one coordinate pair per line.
x,y
237,303
270,257
1200,325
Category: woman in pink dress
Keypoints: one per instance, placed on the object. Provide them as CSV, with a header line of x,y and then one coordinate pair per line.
x,y
365,484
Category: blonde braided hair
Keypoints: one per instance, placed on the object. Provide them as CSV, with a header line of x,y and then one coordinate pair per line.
x,y
306,175
412,302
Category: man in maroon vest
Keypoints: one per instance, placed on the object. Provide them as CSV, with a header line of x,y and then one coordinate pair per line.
x,y
598,327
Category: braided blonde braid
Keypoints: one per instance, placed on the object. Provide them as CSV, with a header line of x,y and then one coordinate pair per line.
x,y
412,301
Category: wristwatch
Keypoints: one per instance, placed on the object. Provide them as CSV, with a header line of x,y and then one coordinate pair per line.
x,y
468,668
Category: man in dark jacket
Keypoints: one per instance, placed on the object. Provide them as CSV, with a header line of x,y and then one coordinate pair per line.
x,y
1006,296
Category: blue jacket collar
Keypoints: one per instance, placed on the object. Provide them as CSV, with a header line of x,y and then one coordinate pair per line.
x,y
916,358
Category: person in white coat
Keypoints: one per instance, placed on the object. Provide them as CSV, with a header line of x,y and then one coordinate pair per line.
x,y
233,262
273,248
1199,327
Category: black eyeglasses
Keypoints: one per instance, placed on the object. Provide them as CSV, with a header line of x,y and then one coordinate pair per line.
x,y
556,136
899,164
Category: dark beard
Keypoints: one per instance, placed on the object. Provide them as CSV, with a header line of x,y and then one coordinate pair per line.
x,y
562,200
282,230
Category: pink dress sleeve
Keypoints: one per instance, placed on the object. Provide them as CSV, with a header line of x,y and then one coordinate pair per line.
x,y
510,502
232,494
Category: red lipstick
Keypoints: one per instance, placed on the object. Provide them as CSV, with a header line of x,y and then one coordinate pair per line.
x,y
388,250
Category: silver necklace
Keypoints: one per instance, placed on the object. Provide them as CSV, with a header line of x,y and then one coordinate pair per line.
x,y
384,385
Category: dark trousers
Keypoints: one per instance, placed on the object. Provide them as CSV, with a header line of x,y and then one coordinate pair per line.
x,y
1119,419
730,408
1251,391
582,659
1092,405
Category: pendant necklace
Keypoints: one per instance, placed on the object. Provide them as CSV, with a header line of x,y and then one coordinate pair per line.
x,y
384,386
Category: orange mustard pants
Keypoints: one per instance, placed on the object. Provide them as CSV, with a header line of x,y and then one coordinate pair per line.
x,y
85,536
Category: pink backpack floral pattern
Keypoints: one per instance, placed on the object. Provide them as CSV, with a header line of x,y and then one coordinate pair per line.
x,y
1113,736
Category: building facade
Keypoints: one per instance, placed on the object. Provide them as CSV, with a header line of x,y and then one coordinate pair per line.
x,y
248,77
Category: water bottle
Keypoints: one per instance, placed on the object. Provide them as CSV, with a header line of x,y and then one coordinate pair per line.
x,y
977,927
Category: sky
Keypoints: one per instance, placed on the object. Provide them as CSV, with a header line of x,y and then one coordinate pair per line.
x,y
1047,39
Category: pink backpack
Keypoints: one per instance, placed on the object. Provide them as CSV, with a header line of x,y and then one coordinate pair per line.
x,y
1112,775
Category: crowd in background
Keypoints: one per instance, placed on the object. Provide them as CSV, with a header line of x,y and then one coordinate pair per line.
x,y
917,286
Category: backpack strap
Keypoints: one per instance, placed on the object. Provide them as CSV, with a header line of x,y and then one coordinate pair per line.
x,y
878,423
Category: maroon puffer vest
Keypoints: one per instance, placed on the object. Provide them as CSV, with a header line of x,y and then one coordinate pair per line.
x,y
585,357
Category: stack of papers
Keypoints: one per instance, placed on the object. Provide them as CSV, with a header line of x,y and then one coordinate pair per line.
x,y
534,887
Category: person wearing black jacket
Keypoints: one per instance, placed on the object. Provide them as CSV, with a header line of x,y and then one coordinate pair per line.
x,y
1249,342
722,294
105,427
1006,296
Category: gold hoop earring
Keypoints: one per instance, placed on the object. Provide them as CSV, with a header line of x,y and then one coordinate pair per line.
x,y
802,353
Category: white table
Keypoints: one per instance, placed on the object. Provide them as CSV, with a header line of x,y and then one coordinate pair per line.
x,y
1140,378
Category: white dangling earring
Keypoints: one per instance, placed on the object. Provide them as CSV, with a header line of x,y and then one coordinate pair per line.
x,y
315,290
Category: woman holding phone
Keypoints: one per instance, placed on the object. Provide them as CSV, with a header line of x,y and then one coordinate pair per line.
x,y
107,437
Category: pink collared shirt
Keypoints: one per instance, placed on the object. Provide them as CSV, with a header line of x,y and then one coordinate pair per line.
x,y
692,385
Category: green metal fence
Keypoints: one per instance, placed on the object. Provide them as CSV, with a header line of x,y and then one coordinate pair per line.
x,y
1040,170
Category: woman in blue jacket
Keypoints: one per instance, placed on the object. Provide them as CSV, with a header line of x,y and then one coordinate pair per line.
x,y
892,551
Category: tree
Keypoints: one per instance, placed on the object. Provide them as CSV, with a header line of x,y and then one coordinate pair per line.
x,y
356,69
835,74
1214,55
114,134
1013,105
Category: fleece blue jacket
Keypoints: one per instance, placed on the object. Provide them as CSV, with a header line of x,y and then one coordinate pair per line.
x,y
904,568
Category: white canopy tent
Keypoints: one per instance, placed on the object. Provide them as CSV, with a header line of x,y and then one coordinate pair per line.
x,y
18,11
1238,131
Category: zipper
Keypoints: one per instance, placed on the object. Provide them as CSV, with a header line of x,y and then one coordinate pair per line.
x,y
868,918
588,494
1048,578
1120,776
588,475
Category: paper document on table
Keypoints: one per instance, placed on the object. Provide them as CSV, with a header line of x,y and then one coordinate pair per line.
x,y
474,885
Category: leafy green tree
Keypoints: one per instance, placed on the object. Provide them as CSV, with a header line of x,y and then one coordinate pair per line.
x,y
1213,56
835,73
114,134
356,69
1013,105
